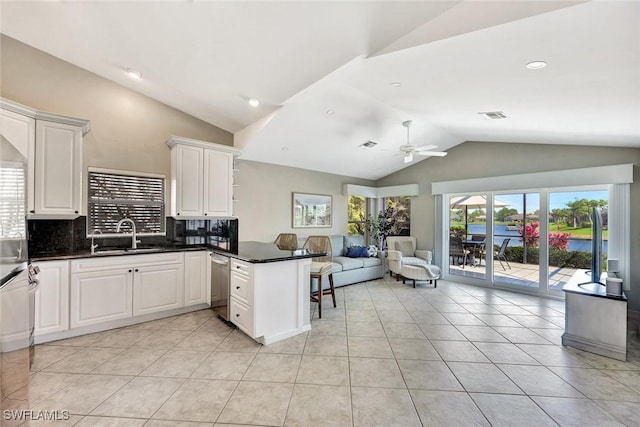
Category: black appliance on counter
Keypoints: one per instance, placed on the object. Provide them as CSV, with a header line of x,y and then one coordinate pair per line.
x,y
220,234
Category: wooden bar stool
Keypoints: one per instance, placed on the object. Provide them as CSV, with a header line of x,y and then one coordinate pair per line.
x,y
321,266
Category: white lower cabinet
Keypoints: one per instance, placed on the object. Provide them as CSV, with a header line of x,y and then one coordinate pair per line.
x,y
158,288
101,296
52,298
197,278
113,288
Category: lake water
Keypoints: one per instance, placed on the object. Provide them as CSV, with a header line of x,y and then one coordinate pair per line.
x,y
574,244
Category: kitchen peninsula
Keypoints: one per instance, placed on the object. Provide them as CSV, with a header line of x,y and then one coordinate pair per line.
x,y
269,291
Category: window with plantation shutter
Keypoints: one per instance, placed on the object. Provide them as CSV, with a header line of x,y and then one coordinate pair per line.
x,y
113,196
12,200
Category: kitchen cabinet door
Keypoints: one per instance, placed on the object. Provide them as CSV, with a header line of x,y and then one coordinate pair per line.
x,y
57,171
197,278
187,162
158,288
101,296
218,181
52,297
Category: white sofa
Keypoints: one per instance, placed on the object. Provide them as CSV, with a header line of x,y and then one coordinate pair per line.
x,y
402,250
348,270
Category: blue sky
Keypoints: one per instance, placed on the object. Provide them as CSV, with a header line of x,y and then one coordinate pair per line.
x,y
556,200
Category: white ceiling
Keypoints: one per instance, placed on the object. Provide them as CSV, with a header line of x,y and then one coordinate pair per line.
x,y
453,58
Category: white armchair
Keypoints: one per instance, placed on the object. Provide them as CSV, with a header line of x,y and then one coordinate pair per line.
x,y
402,250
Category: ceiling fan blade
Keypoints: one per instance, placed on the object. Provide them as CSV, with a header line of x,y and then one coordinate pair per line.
x,y
425,148
432,153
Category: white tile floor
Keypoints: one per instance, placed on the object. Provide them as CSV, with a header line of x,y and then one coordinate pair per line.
x,y
388,355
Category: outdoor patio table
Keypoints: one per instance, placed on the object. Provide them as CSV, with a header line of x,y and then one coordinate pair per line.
x,y
473,246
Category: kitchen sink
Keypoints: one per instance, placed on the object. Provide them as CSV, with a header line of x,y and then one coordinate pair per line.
x,y
126,251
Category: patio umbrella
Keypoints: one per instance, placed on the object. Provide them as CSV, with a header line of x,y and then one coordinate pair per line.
x,y
473,202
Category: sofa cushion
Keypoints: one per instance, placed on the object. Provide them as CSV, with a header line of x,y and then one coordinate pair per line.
x,y
349,263
371,262
337,268
353,240
406,247
337,245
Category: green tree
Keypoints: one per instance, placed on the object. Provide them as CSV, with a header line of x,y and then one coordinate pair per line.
x,y
356,215
503,213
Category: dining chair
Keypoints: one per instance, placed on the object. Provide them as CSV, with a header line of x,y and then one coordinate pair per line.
x,y
321,266
500,254
287,241
457,250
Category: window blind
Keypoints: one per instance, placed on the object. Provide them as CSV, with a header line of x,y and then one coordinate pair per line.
x,y
112,197
12,201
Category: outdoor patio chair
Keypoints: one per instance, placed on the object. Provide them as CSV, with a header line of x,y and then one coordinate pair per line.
x,y
500,256
457,250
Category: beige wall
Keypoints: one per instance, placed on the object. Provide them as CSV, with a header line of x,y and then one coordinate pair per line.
x,y
264,199
128,130
486,159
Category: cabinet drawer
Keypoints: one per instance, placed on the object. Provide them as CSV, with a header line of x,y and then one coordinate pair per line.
x,y
125,261
242,316
241,267
240,287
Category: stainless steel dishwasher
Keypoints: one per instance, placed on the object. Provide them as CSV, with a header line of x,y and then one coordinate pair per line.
x,y
220,266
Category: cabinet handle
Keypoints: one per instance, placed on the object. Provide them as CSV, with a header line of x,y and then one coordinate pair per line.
x,y
32,211
137,270
237,287
237,315
205,214
130,270
178,214
75,211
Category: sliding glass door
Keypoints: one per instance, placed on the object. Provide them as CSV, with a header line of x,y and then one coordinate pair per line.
x,y
516,239
570,233
533,241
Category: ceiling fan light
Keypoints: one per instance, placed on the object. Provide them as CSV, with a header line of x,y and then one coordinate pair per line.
x,y
408,158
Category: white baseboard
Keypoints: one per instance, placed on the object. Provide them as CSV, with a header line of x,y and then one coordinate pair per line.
x,y
603,349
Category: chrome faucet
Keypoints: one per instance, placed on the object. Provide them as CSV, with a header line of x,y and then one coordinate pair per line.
x,y
20,246
93,247
134,242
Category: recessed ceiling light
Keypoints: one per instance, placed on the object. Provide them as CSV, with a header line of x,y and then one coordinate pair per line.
x,y
396,84
536,65
330,112
135,74
254,102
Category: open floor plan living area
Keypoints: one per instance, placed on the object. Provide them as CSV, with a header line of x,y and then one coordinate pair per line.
x,y
319,213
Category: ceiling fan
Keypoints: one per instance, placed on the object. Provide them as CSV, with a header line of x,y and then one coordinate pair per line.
x,y
408,150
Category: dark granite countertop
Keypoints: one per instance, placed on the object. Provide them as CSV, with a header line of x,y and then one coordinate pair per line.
x,y
253,252
260,252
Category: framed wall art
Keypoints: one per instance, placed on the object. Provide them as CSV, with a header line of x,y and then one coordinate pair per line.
x,y
311,210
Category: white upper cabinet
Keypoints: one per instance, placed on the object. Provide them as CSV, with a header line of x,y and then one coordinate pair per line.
x,y
58,170
52,145
201,178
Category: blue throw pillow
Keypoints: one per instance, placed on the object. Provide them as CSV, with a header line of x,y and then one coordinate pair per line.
x,y
358,252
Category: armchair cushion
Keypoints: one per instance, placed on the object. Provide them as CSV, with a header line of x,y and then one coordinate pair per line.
x,y
405,247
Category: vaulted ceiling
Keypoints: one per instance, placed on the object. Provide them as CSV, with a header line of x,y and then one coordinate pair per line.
x,y
333,75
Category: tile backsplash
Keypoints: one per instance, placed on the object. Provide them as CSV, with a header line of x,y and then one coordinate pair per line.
x,y
60,237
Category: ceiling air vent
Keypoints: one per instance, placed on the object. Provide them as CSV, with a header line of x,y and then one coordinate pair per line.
x,y
368,144
493,115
